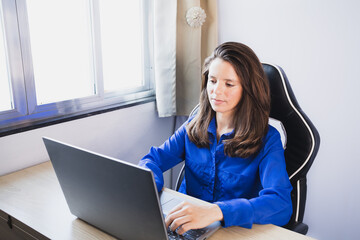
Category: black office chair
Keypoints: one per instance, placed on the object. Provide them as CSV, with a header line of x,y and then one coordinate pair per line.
x,y
302,142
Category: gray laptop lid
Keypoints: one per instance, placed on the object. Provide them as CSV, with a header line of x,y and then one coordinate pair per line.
x,y
113,195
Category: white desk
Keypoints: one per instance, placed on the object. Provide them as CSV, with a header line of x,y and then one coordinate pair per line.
x,y
38,209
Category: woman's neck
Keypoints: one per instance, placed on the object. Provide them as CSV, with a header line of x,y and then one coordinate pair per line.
x,y
224,124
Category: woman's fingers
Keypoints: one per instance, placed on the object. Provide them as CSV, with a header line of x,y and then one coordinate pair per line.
x,y
184,228
178,222
186,216
174,214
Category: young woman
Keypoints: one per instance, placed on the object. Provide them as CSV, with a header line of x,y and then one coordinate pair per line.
x,y
233,158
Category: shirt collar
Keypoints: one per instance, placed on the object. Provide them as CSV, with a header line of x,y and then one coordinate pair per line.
x,y
212,129
212,126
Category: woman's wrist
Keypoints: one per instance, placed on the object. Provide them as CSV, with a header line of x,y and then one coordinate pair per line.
x,y
217,213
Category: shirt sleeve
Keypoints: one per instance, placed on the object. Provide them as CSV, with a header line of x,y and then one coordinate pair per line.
x,y
168,155
273,204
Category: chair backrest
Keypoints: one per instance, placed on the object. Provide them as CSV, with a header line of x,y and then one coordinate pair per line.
x,y
302,139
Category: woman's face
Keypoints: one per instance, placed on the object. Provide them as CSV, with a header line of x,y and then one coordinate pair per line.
x,y
223,87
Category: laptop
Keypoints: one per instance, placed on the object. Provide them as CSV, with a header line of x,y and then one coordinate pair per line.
x,y
115,196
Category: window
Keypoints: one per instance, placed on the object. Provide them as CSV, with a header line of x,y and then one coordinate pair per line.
x,y
5,95
114,44
61,59
61,49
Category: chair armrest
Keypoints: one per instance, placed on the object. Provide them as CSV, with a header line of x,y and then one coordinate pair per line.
x,y
298,227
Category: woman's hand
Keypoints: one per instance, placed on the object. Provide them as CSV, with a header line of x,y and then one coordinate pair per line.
x,y
186,216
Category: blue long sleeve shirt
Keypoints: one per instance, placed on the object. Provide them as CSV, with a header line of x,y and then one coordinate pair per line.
x,y
247,190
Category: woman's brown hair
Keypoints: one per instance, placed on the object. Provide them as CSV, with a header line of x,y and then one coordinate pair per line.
x,y
252,112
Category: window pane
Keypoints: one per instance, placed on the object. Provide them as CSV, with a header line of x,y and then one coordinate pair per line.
x,y
5,96
121,38
61,49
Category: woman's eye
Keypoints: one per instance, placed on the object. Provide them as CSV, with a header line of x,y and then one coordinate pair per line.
x,y
213,81
229,85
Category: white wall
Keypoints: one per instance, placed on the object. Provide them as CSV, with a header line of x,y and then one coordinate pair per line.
x,y
317,43
126,134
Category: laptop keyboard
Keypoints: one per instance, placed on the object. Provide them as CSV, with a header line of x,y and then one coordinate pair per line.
x,y
189,235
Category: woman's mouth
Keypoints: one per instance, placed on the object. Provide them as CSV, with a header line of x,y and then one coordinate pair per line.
x,y
217,101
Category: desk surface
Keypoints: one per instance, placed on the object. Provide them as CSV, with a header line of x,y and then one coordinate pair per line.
x,y
34,197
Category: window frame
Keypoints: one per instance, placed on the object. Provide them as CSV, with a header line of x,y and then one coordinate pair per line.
x,y
27,114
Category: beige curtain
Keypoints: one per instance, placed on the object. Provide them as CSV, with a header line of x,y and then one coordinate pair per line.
x,y
193,45
180,51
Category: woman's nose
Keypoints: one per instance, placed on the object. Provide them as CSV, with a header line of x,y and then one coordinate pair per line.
x,y
218,88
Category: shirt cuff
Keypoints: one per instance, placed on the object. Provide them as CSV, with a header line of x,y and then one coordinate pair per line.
x,y
237,212
158,175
